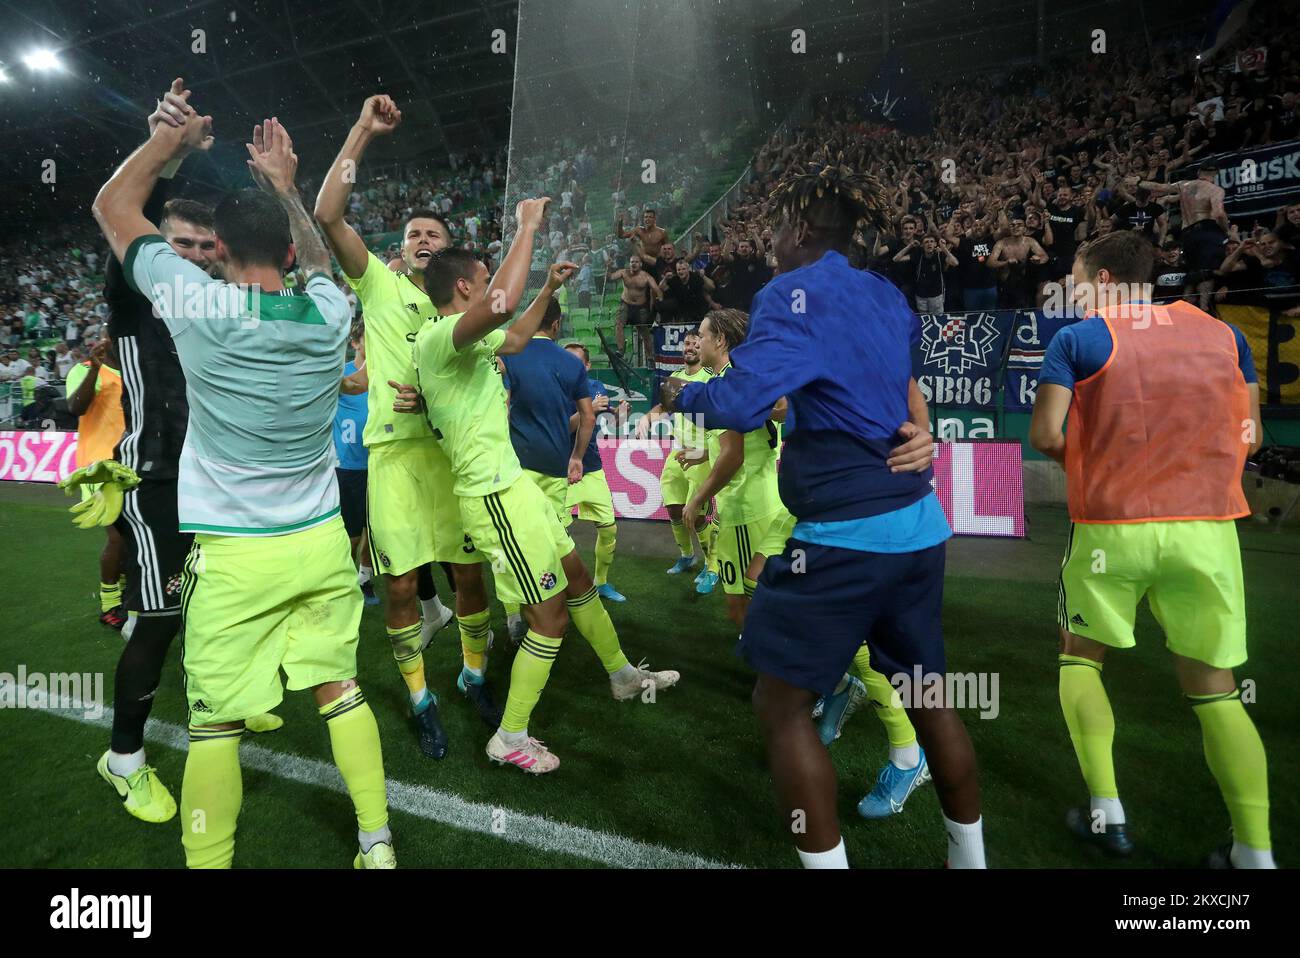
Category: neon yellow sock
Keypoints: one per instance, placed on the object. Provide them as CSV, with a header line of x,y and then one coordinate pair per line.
x,y
473,639
211,793
682,536
110,595
1090,721
708,537
528,675
884,700
1235,754
606,536
406,650
593,624
354,740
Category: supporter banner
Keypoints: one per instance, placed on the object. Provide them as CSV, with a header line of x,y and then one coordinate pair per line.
x,y
979,484
1032,332
1275,345
37,456
960,358
1259,180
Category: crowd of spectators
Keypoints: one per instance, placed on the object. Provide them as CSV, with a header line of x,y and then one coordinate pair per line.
x,y
985,211
988,209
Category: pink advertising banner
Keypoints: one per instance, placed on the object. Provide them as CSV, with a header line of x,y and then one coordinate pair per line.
x,y
37,456
980,484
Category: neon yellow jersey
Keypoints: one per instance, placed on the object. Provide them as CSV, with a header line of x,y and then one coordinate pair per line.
x,y
465,402
687,433
394,309
752,492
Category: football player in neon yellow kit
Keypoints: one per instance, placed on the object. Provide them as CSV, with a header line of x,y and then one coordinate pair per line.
x,y
503,511
411,513
683,472
752,521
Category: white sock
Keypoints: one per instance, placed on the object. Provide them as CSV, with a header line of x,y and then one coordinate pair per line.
x,y
513,738
1243,856
1111,810
907,757
965,843
626,673
513,619
369,840
834,858
364,574
433,609
123,764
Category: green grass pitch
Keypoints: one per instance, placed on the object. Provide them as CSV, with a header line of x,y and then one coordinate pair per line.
x,y
685,773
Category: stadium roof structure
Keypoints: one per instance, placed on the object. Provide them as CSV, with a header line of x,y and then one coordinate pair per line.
x,y
311,64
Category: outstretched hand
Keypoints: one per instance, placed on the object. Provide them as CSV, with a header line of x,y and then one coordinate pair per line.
x,y
272,160
178,123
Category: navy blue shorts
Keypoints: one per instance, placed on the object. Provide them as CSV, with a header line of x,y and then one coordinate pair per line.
x,y
815,606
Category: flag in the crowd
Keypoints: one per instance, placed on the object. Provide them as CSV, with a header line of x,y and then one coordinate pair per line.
x,y
1227,17
894,98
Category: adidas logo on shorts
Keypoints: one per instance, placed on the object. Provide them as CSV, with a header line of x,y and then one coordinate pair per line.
x,y
1077,619
383,557
200,706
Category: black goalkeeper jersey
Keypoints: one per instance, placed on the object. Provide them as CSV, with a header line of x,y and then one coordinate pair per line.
x,y
155,411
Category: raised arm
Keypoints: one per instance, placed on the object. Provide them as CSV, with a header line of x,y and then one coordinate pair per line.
x,y
526,326
379,117
502,296
274,165
119,206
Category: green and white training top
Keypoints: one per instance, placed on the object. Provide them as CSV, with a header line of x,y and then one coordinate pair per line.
x,y
262,374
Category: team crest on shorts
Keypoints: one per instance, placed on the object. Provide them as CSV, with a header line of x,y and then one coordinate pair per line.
x,y
547,581
174,584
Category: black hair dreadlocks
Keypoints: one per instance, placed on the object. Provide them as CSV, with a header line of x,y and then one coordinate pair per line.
x,y
833,201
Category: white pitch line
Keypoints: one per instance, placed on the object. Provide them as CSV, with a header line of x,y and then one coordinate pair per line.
x,y
431,804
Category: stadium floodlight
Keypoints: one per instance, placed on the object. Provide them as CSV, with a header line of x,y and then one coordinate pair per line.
x,y
42,60
4,75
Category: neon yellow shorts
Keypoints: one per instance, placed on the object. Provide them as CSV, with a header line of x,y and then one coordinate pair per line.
x,y
737,545
254,605
592,497
677,484
1190,573
518,531
556,491
411,512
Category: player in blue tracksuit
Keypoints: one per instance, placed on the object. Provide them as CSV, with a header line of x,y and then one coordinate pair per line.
x,y
866,558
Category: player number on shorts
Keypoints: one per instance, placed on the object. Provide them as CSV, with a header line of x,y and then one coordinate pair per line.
x,y
729,572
